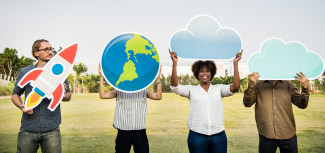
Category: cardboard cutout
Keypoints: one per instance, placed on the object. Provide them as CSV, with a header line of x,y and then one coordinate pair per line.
x,y
204,38
48,81
130,62
278,60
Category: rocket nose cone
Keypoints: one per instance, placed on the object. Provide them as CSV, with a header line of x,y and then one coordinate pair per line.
x,y
69,53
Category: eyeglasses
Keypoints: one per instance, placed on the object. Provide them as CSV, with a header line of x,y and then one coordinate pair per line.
x,y
47,49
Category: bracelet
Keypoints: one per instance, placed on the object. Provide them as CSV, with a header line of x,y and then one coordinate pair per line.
x,y
158,82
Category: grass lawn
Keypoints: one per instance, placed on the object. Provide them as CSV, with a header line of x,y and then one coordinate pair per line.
x,y
87,125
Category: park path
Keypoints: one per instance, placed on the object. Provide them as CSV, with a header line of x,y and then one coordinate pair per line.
x,y
4,97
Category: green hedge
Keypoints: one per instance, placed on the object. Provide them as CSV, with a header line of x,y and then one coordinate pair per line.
x,y
6,90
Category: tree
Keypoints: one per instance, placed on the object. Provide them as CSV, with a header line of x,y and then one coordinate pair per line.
x,y
317,85
8,59
2,66
10,63
323,82
222,80
80,69
168,81
163,83
54,52
92,82
243,84
22,62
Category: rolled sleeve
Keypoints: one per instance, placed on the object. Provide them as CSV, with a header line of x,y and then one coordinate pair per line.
x,y
17,90
249,97
182,90
225,91
68,86
300,100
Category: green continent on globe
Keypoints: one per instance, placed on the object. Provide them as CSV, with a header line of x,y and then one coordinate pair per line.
x,y
138,46
128,73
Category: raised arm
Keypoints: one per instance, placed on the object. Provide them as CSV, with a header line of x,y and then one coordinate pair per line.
x,y
102,94
173,56
158,95
250,93
300,100
236,83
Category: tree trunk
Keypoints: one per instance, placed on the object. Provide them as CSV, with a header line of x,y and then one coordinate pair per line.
x,y
5,73
299,87
15,75
10,70
74,83
82,84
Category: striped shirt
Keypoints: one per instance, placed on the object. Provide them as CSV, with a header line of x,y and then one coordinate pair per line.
x,y
130,110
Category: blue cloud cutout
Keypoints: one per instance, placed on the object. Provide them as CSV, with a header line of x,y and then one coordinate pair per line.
x,y
204,38
280,61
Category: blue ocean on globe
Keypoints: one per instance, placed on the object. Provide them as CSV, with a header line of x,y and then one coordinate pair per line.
x,y
130,62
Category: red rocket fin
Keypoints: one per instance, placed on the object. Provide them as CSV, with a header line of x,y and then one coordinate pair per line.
x,y
69,53
30,76
57,95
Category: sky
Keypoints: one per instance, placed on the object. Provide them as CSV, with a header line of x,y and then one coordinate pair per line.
x,y
94,23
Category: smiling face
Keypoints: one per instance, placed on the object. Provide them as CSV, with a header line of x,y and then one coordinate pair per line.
x,y
204,75
204,71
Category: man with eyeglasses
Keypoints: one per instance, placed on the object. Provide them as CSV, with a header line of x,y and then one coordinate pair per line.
x,y
39,126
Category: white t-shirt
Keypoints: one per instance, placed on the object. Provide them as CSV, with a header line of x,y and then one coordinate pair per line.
x,y
206,109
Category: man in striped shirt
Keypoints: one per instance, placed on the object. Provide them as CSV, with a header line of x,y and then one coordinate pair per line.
x,y
130,116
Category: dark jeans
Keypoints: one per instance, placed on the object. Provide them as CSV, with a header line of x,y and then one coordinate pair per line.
x,y
29,142
267,145
137,138
200,143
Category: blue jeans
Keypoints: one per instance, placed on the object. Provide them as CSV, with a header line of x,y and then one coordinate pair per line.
x,y
200,143
29,142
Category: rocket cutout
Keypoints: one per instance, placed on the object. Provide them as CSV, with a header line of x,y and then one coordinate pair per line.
x,y
48,81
